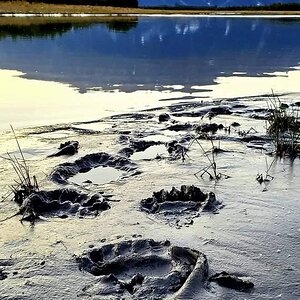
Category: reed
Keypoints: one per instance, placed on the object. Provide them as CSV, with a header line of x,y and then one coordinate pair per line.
x,y
25,184
283,125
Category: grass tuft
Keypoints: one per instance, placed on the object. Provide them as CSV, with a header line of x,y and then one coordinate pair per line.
x,y
284,127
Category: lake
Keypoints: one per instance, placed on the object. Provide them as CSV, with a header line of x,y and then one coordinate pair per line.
x,y
186,55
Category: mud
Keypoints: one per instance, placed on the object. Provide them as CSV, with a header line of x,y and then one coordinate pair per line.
x,y
179,206
67,148
209,127
209,111
3,275
180,127
142,269
133,116
62,203
232,281
64,171
164,117
176,150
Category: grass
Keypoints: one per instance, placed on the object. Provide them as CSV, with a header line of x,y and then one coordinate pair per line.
x,y
25,184
284,127
36,8
261,178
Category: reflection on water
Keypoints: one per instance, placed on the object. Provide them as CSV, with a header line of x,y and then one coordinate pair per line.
x,y
155,51
98,175
50,27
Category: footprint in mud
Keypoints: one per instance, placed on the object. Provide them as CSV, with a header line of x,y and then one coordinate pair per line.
x,y
64,171
61,203
180,206
142,269
3,275
4,264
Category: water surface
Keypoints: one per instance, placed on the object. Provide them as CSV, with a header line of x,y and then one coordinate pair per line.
x,y
148,51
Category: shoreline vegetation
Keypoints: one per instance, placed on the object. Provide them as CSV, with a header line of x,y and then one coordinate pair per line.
x,y
24,7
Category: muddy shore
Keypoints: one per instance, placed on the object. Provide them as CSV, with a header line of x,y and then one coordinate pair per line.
x,y
155,228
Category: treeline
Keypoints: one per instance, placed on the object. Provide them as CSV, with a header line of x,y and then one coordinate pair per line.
x,y
271,7
114,3
52,29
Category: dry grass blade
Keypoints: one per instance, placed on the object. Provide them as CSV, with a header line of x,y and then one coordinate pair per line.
x,y
25,185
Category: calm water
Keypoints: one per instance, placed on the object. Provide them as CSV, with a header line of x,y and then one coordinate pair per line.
x,y
149,51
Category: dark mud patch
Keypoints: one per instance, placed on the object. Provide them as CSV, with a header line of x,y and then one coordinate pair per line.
x,y
187,105
164,117
3,275
183,98
67,148
4,265
64,171
180,127
61,203
209,128
180,206
142,269
133,116
205,110
176,150
231,281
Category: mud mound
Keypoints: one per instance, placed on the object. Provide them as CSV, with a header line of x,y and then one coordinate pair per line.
x,y
66,170
3,275
142,269
232,281
62,202
133,116
180,127
179,207
67,148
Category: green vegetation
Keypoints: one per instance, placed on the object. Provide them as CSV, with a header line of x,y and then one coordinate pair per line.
x,y
284,127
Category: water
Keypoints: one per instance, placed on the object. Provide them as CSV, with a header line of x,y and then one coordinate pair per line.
x,y
132,51
150,153
172,58
99,175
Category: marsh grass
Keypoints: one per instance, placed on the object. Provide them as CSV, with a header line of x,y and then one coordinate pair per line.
x,y
264,178
25,184
283,125
212,168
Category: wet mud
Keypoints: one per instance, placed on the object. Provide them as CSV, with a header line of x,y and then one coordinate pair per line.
x,y
142,269
64,171
179,206
234,135
232,281
62,203
67,148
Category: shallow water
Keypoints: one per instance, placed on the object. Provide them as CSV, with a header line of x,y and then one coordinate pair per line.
x,y
229,61
99,175
150,153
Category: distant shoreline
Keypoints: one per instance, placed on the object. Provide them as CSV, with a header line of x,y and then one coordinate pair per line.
x,y
23,8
